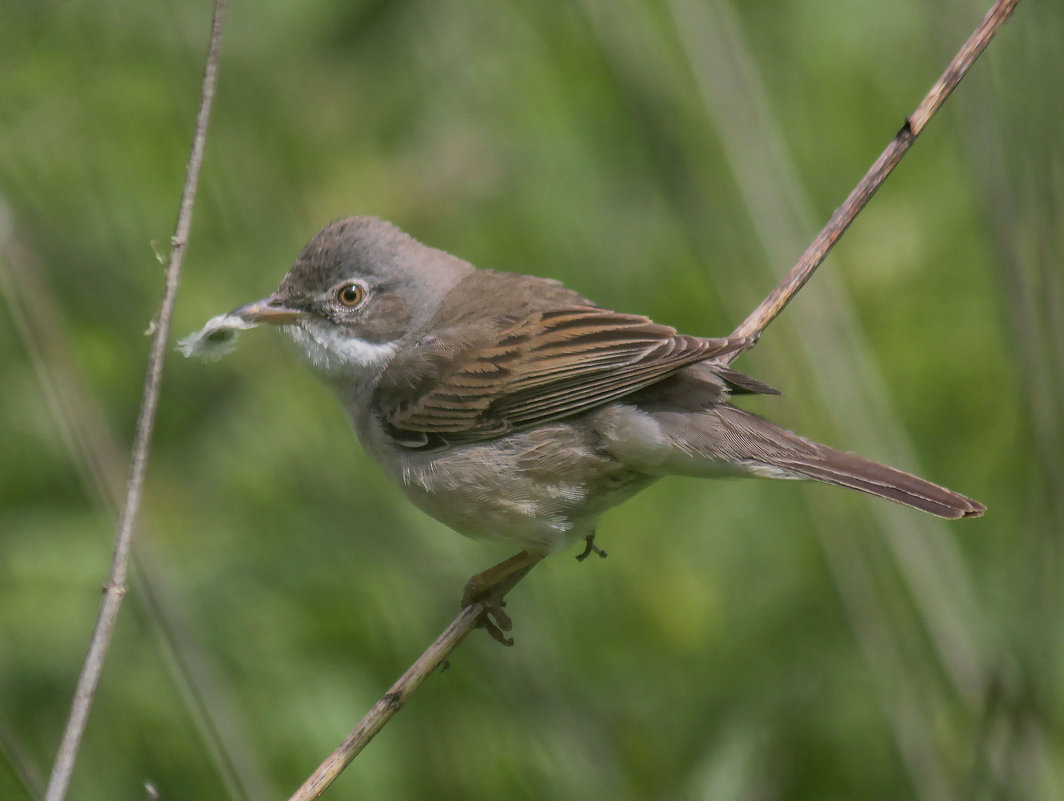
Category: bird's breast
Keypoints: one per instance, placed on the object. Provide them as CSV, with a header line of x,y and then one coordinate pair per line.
x,y
539,489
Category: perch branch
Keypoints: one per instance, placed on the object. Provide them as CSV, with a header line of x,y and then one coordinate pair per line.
x,y
845,214
115,589
389,703
752,326
471,616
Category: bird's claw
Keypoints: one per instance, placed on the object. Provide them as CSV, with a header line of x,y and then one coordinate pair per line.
x,y
591,548
489,588
493,619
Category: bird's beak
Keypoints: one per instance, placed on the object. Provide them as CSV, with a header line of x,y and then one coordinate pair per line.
x,y
268,310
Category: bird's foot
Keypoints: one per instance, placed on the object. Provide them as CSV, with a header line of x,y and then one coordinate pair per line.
x,y
489,589
591,548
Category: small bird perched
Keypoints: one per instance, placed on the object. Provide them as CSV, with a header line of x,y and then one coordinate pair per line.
x,y
511,408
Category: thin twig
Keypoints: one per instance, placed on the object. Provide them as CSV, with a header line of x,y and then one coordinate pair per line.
x,y
389,703
96,454
393,700
752,326
115,589
930,566
803,270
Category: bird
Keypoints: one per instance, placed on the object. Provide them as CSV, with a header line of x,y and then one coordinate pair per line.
x,y
511,408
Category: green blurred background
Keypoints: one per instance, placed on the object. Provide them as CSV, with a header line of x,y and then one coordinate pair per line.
x,y
744,639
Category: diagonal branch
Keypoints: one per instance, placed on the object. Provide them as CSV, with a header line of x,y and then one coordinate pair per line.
x,y
752,326
115,589
845,214
389,703
392,701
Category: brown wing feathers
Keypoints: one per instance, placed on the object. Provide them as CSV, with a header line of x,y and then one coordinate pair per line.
x,y
549,365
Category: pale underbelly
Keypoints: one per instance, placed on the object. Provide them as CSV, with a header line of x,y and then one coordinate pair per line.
x,y
539,490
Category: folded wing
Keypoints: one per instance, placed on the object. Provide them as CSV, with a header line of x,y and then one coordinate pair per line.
x,y
547,365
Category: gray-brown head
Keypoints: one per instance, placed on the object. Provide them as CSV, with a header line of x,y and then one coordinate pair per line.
x,y
359,287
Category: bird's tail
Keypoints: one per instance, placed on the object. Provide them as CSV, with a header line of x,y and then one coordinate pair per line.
x,y
731,436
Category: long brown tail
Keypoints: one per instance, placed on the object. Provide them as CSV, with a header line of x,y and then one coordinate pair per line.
x,y
822,463
849,470
725,435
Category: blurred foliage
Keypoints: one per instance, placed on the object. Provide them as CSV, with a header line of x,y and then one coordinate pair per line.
x,y
744,640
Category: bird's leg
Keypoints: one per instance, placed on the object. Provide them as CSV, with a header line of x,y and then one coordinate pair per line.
x,y
490,586
591,548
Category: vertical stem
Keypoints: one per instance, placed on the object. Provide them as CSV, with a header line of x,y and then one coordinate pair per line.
x,y
115,589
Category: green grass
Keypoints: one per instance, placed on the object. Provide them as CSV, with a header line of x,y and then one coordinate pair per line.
x,y
744,639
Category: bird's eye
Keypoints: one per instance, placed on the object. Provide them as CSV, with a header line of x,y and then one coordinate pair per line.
x,y
350,294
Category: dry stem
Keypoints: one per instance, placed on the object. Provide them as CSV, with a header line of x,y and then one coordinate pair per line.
x,y
115,589
390,703
818,250
751,327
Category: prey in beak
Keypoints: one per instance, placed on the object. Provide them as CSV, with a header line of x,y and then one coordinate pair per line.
x,y
218,336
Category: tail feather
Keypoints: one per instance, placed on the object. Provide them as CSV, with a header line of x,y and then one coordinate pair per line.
x,y
724,436
849,470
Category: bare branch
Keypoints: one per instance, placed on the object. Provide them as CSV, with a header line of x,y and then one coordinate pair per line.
x,y
502,578
803,270
752,326
389,703
115,589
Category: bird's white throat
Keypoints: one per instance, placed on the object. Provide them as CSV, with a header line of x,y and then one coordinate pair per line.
x,y
327,348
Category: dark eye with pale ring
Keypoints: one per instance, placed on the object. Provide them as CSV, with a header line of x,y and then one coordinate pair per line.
x,y
350,294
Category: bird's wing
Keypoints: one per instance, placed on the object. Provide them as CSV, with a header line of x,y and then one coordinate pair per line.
x,y
520,373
